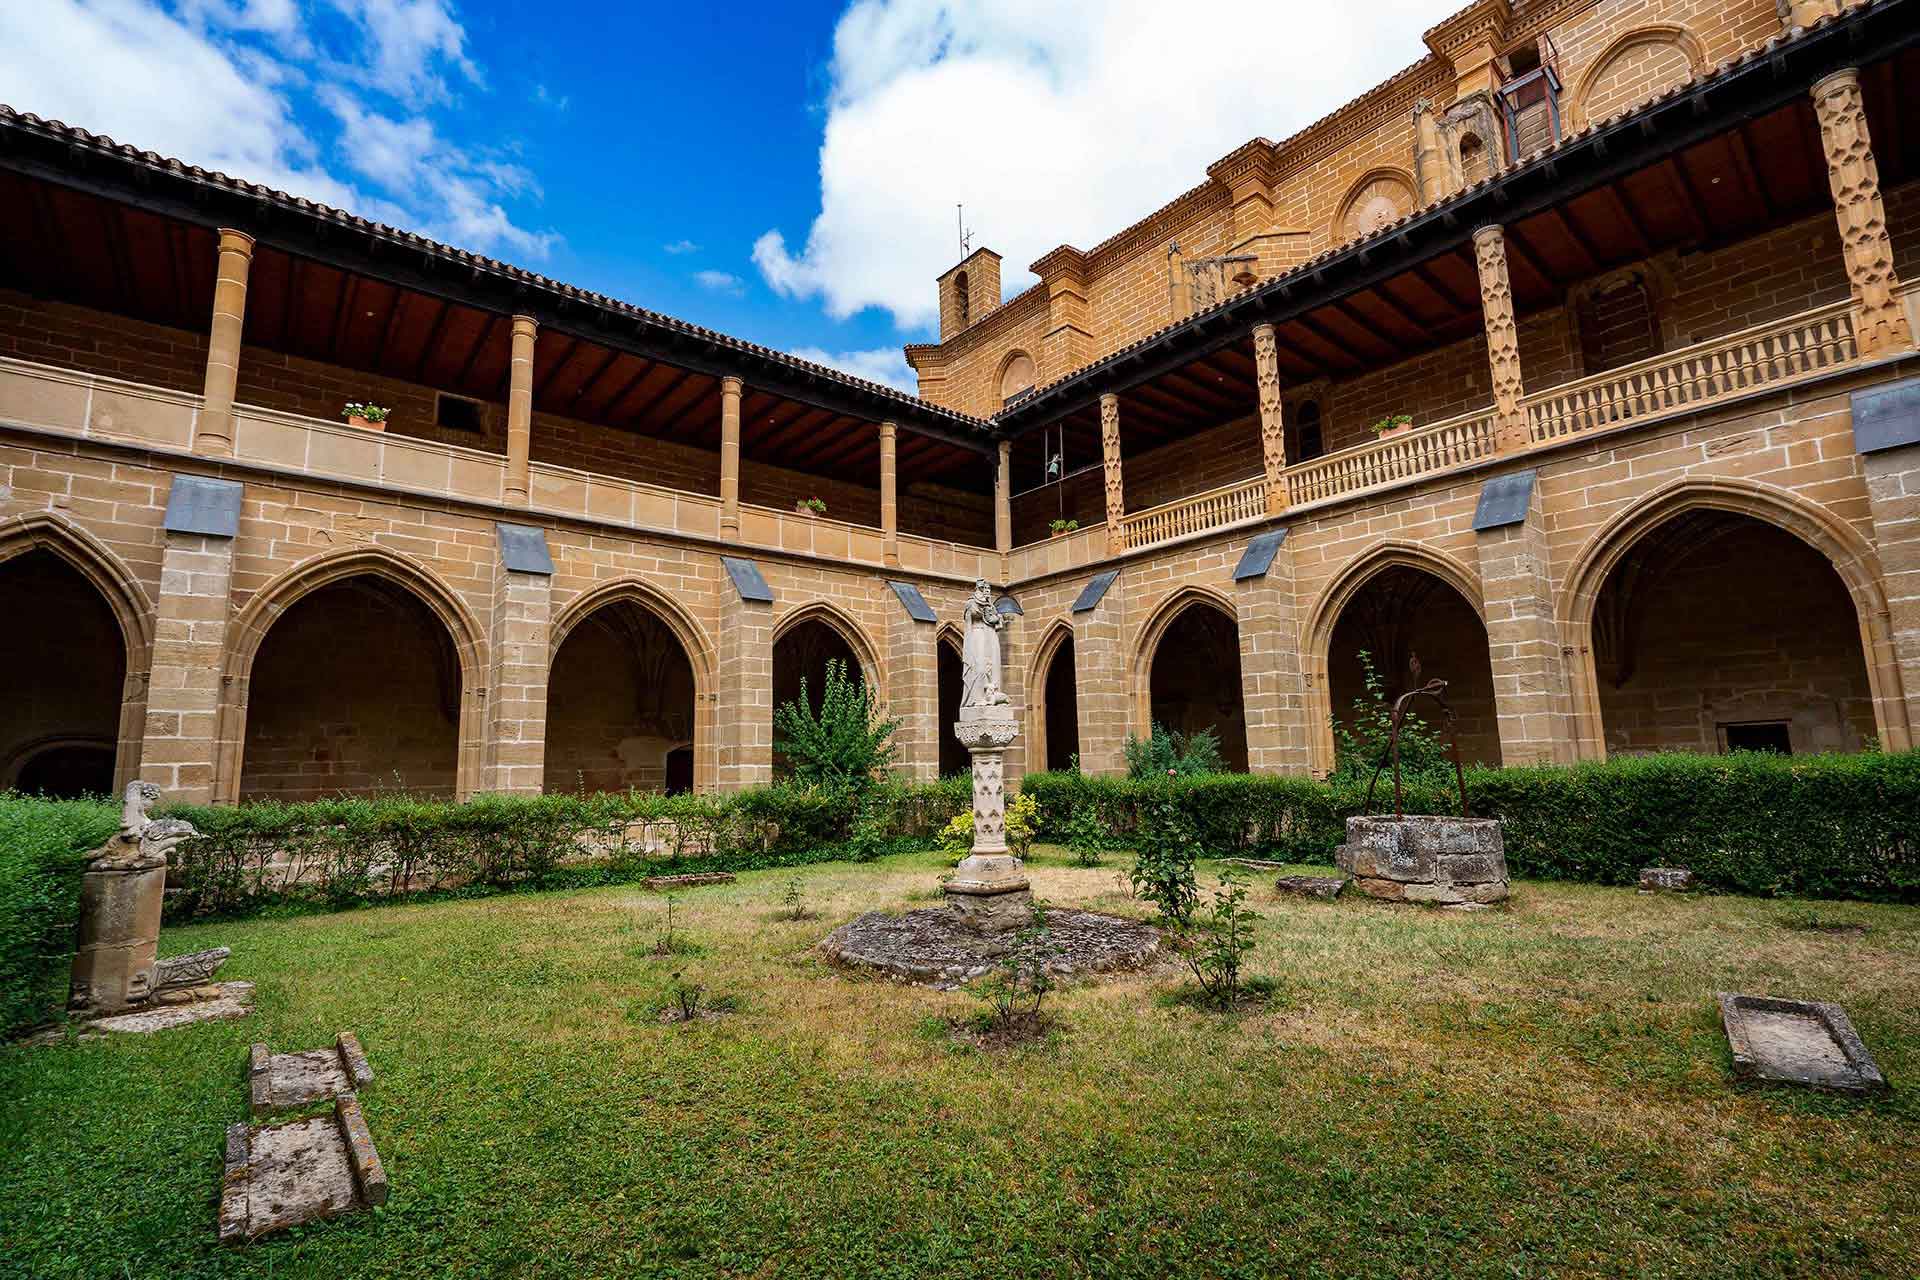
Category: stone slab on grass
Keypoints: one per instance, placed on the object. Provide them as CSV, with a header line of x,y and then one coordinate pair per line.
x,y
211,1003
689,881
280,1176
934,948
1311,886
285,1081
1802,1042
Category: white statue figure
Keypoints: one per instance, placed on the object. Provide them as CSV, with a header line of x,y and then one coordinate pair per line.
x,y
980,654
142,842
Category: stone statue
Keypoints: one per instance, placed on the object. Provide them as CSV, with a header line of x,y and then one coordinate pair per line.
x,y
988,891
142,842
980,654
115,968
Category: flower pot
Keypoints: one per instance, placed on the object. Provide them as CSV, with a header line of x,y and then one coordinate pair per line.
x,y
801,508
1060,533
366,424
1391,432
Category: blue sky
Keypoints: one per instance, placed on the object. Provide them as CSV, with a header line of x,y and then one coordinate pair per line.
x,y
786,172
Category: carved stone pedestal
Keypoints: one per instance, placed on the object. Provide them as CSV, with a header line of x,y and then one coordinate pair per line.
x,y
113,969
989,893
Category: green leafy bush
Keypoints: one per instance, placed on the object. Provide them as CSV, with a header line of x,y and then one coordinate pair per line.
x,y
1360,742
1165,854
1215,947
1822,826
43,852
1164,753
848,744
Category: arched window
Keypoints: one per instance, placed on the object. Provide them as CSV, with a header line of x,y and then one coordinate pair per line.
x,y
962,303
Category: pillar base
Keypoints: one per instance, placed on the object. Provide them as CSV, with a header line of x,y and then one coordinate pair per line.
x,y
990,893
115,964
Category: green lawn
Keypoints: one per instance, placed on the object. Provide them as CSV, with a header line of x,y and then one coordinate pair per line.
x,y
1534,1091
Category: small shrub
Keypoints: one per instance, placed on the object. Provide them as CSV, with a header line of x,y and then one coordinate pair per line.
x,y
793,902
1361,742
1164,753
1019,984
1214,947
1086,836
1163,861
956,838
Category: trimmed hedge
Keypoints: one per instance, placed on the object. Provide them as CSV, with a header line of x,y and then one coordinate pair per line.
x,y
43,851
340,852
1823,826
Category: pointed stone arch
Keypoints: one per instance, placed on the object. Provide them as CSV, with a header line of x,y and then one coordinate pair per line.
x,y
1332,602
832,615
1661,34
1147,645
1040,728
124,597
700,651
1850,555
256,619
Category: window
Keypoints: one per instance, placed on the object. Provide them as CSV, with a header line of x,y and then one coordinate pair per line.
x,y
962,304
1618,325
1759,735
1306,433
1017,378
1530,98
1473,159
457,413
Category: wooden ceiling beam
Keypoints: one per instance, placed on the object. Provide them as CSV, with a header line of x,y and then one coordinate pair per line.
x,y
433,339
775,441
473,356
1525,252
1425,276
1589,257
1396,351
342,309
387,330
1642,243
1327,340
1744,166
626,388
659,397
545,384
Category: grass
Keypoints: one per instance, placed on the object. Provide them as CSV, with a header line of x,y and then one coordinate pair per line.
x,y
1536,1091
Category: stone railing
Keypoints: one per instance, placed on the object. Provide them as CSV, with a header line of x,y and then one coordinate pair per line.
x,y
1757,359
1393,460
91,406
1229,504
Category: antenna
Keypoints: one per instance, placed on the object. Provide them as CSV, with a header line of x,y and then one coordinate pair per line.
x,y
960,225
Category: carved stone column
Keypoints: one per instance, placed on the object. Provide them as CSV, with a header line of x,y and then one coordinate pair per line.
x,y
730,457
1881,326
1003,500
989,891
1273,423
520,411
1503,338
214,433
1116,491
889,494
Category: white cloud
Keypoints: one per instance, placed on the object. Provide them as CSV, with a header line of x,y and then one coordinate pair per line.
x,y
203,87
407,44
681,246
1058,123
885,365
720,282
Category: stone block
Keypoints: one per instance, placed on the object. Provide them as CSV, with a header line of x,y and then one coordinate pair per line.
x,y
1311,886
1426,858
1667,880
285,1081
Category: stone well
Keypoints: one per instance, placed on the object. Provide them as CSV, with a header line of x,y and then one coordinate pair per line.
x,y
1426,858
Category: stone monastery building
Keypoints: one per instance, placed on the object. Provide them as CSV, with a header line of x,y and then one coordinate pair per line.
x,y
1578,358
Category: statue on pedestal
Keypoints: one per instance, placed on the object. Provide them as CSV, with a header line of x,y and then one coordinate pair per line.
x,y
989,890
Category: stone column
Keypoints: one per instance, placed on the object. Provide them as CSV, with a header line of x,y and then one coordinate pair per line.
x,y
1532,697
743,712
520,411
1272,684
1003,500
989,890
889,495
1893,495
181,744
730,457
1881,324
521,640
913,695
1429,162
1104,695
1273,423
1503,338
1116,491
214,433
